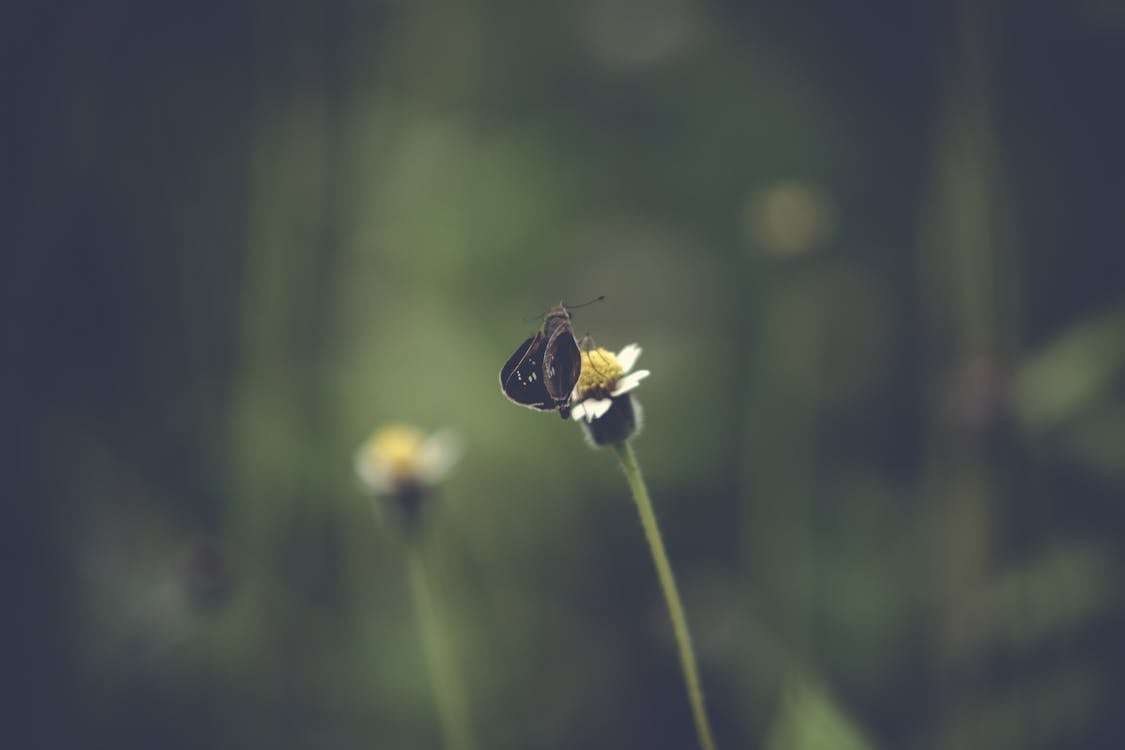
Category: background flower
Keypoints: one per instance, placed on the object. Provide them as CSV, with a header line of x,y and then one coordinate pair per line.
x,y
401,456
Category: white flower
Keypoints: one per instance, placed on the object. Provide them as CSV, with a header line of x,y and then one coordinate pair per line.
x,y
605,376
401,458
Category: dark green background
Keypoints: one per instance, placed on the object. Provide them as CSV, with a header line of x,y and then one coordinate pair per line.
x,y
889,463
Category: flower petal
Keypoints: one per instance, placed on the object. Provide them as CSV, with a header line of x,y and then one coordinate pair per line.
x,y
590,409
438,454
629,382
627,357
578,411
596,408
373,475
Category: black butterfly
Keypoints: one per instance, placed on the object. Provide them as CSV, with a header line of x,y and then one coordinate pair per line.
x,y
544,369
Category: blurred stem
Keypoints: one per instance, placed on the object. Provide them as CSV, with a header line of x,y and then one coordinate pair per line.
x,y
970,271
452,708
671,594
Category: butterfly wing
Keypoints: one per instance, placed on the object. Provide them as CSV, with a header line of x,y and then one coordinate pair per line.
x,y
521,377
562,364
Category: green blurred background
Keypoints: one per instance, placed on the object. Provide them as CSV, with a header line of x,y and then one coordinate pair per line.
x,y
873,254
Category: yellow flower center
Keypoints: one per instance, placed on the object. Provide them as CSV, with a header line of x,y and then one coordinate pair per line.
x,y
396,449
600,373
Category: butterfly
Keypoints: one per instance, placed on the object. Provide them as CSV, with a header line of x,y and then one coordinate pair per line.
x,y
544,369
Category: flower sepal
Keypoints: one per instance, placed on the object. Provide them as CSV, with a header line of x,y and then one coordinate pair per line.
x,y
619,422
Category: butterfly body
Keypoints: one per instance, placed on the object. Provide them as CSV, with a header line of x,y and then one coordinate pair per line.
x,y
544,369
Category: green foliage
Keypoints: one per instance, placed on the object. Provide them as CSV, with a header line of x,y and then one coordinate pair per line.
x,y
871,256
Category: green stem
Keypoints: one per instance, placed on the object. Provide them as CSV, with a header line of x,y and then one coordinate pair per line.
x,y
671,594
452,708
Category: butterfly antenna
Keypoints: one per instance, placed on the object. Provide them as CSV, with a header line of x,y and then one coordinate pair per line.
x,y
599,298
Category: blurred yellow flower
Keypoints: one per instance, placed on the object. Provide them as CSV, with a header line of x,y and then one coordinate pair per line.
x,y
400,457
